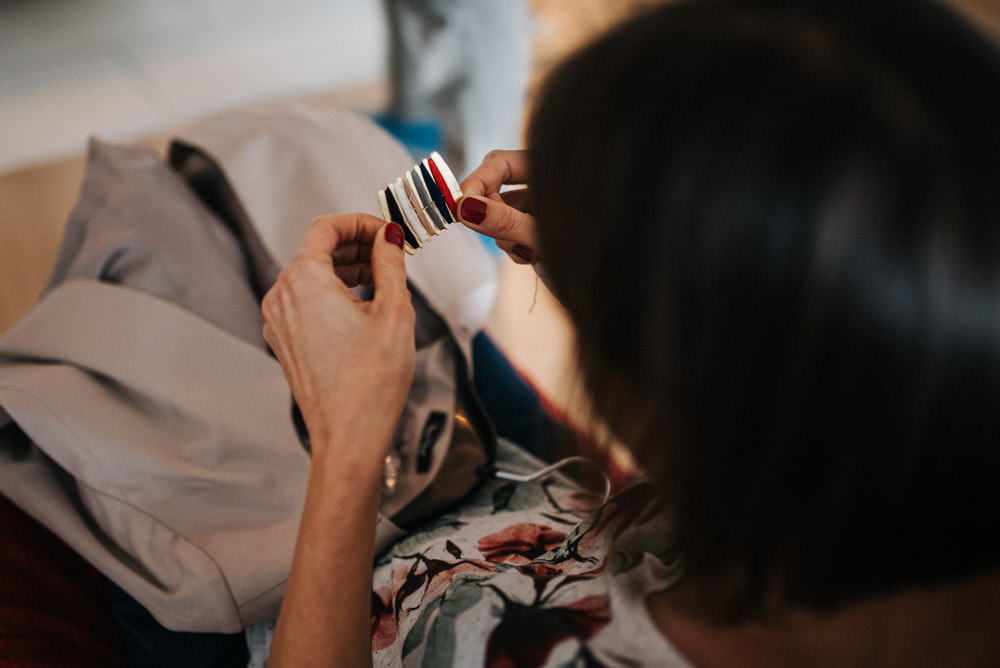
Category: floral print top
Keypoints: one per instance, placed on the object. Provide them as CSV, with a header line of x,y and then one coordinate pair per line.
x,y
527,574
522,574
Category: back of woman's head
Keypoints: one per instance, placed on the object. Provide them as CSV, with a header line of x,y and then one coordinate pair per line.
x,y
776,226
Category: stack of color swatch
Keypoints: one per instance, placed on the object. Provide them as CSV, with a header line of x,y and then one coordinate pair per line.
x,y
422,201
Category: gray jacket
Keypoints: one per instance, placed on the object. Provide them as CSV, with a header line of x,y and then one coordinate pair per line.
x,y
142,418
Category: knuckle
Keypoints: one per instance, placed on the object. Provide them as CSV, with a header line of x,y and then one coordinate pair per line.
x,y
401,316
297,274
291,283
509,221
316,222
402,311
267,304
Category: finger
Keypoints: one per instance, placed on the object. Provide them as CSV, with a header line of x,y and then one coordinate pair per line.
x,y
388,265
517,198
497,220
497,169
326,233
352,252
519,253
352,263
355,274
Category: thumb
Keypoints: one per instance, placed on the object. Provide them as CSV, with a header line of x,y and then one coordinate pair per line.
x,y
388,266
496,219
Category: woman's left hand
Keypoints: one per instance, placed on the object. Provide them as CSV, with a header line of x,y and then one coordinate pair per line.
x,y
349,362
504,216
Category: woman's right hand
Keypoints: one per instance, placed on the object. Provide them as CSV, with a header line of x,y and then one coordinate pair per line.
x,y
502,216
349,362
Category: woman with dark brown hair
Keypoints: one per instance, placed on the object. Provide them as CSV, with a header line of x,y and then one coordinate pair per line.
x,y
774,225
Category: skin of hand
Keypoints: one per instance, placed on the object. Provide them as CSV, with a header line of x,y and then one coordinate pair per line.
x,y
349,364
502,216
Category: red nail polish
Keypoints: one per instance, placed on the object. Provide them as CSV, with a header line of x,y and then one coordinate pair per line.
x,y
473,210
523,252
394,234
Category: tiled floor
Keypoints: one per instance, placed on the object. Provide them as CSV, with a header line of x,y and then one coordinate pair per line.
x,y
126,68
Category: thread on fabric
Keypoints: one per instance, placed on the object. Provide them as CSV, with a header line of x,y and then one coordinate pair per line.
x,y
552,468
534,296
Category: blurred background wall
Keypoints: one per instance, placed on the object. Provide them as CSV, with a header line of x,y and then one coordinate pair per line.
x,y
139,70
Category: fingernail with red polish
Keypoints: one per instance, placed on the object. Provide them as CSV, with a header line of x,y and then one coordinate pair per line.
x,y
523,252
394,234
472,210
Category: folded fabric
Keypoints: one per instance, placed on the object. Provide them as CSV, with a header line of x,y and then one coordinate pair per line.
x,y
160,445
